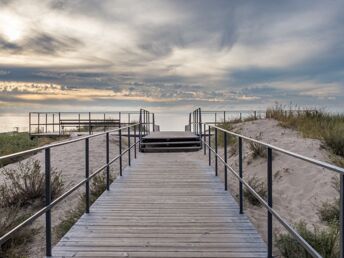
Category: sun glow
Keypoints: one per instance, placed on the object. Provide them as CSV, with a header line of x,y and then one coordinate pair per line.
x,y
11,27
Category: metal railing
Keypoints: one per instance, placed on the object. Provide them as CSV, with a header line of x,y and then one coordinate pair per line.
x,y
59,123
136,131
206,139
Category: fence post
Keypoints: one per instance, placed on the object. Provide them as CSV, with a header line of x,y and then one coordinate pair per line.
x,y
269,202
89,123
29,123
240,174
120,151
38,122
87,174
224,116
190,122
341,244
204,140
135,155
47,202
46,122
107,162
216,152
140,130
209,144
129,148
59,123
225,156
200,123
153,122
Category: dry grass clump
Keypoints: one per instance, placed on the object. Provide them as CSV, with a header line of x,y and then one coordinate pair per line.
x,y
315,124
259,186
26,185
16,245
325,241
97,187
258,150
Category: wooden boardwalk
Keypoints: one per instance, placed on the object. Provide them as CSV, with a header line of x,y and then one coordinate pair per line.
x,y
165,205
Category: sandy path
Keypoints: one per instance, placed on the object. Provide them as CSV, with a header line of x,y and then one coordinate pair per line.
x,y
298,187
70,159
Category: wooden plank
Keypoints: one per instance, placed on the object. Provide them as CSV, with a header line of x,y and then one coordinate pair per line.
x,y
165,205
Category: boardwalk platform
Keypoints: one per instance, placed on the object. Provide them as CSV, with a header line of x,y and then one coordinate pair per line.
x,y
165,205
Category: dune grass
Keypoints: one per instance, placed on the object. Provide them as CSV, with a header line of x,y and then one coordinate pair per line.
x,y
315,124
16,142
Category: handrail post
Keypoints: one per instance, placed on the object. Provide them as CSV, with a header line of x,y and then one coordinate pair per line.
x,y
59,123
209,144
47,203
341,244
190,122
129,147
89,123
216,165
38,117
140,130
240,175
107,162
29,123
120,151
225,157
204,139
87,174
269,175
200,124
135,147
153,122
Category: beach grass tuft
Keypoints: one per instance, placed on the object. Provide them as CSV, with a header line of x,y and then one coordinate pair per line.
x,y
259,186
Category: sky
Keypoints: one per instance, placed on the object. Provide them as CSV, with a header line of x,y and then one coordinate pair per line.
x,y
170,55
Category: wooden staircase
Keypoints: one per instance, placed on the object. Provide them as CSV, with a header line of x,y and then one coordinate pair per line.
x,y
169,141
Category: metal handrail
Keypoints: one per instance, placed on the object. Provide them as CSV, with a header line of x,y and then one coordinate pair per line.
x,y
49,203
197,126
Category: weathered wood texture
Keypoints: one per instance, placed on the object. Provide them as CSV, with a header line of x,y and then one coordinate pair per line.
x,y
165,205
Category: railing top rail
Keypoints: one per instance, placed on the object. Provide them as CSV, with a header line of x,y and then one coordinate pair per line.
x,y
63,142
290,153
232,111
84,112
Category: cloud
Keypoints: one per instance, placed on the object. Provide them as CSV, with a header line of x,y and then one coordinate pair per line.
x,y
176,50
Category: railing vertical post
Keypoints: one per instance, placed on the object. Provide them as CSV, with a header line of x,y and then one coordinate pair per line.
x,y
215,118
120,119
269,175
135,147
89,123
225,157
79,122
190,122
38,117
120,151
200,123
59,123
87,174
341,216
107,162
216,152
153,122
129,147
240,174
29,123
140,129
209,143
47,203
46,122
224,116
53,122
204,139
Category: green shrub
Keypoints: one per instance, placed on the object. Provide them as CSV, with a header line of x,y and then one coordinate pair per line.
x,y
26,184
259,186
325,241
329,212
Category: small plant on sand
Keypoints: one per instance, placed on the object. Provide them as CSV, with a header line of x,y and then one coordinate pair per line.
x,y
325,241
15,246
329,211
25,185
98,186
257,150
259,186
